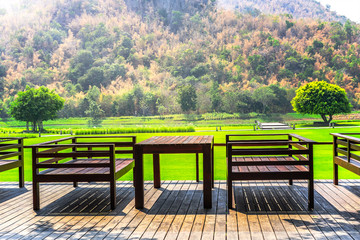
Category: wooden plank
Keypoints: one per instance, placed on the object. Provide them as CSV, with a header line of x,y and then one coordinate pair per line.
x,y
235,224
81,203
252,208
189,219
309,218
221,212
349,205
344,214
320,223
110,221
210,218
164,208
147,215
27,220
167,221
128,230
174,228
270,226
291,209
327,212
150,194
283,228
273,208
199,220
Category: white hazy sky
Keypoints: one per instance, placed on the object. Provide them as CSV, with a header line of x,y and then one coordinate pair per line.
x,y
348,8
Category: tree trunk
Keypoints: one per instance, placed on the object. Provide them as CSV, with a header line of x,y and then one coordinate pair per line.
x,y
40,124
34,126
27,126
325,119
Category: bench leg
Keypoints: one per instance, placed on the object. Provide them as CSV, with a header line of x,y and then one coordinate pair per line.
x,y
36,196
311,194
134,177
113,194
229,193
290,182
75,184
21,177
212,167
197,167
336,174
156,166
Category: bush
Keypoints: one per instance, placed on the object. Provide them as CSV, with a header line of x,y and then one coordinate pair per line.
x,y
92,131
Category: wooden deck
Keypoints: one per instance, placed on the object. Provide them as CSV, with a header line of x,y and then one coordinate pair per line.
x,y
264,210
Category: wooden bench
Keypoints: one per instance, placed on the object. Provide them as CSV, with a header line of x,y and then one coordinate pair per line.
x,y
345,148
82,159
12,156
272,126
269,157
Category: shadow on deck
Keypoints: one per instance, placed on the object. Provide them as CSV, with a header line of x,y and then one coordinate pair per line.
x,y
263,210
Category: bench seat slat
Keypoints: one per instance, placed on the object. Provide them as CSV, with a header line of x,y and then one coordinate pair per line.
x,y
264,164
120,164
4,162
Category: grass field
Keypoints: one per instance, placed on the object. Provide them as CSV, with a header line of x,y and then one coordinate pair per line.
x,y
182,166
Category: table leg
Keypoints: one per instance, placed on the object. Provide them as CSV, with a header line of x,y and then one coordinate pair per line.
x,y
197,167
212,165
207,176
139,177
156,167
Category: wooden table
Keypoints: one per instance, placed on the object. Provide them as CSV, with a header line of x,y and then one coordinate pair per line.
x,y
174,144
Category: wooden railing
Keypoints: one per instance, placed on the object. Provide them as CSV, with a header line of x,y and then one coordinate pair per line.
x,y
12,156
345,153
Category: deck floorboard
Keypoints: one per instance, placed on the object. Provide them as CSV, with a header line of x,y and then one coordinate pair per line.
x,y
262,210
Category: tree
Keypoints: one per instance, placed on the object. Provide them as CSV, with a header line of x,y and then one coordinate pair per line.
x,y
94,77
215,97
265,95
321,98
95,113
2,80
187,98
35,106
79,65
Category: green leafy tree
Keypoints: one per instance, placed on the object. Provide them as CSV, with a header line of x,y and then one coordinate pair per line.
x,y
187,98
177,19
215,97
80,64
265,95
35,106
321,98
2,80
95,113
94,77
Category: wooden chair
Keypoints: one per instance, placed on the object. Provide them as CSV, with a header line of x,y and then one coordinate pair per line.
x,y
269,157
12,156
345,148
82,159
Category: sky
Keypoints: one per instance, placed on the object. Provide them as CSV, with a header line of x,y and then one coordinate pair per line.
x,y
348,8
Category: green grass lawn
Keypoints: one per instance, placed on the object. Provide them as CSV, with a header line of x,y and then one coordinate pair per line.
x,y
182,166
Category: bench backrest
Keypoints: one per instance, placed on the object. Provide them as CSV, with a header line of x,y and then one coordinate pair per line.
x,y
348,145
51,154
11,149
291,145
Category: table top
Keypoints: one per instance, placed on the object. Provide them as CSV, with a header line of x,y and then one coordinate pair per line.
x,y
177,140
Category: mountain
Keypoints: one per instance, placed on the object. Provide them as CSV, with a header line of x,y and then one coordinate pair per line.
x,y
298,9
135,57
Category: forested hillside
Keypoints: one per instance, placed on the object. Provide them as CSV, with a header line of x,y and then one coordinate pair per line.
x,y
298,9
137,59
